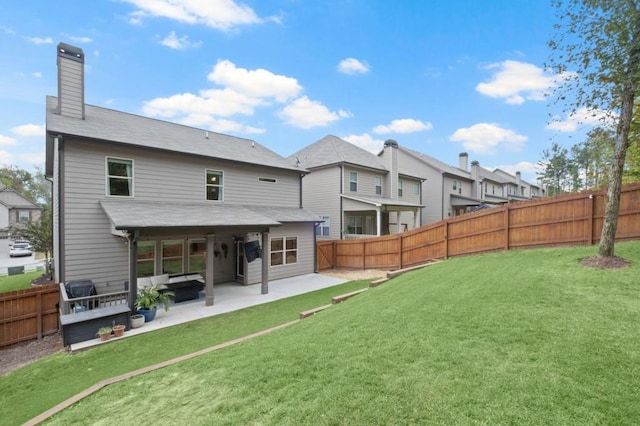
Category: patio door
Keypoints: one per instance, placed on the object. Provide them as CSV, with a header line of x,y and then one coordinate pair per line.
x,y
239,259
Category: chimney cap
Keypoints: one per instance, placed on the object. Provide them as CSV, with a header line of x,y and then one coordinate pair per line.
x,y
71,52
475,163
463,154
390,143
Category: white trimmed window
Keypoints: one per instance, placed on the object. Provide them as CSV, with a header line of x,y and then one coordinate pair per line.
x,y
119,177
23,216
400,188
284,251
353,181
416,189
378,185
197,255
322,230
214,185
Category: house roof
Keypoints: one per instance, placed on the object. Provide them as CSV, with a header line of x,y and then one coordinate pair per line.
x,y
12,199
507,175
461,200
380,201
332,150
132,214
130,129
436,164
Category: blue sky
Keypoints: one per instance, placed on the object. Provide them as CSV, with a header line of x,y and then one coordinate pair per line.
x,y
440,77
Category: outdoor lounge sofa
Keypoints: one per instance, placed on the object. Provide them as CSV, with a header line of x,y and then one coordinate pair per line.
x,y
183,286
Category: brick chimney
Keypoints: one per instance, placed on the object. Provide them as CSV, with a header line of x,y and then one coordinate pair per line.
x,y
463,161
70,81
391,163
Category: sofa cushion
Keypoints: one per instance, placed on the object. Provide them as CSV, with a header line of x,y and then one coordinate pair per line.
x,y
178,279
158,280
195,277
144,282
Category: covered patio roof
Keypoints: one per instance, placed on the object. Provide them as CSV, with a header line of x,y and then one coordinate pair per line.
x,y
133,214
461,200
383,202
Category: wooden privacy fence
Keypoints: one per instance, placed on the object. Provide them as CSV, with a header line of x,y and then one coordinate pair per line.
x,y
28,314
571,219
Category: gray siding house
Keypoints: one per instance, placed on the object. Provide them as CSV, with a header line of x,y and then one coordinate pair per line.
x,y
135,197
16,211
356,193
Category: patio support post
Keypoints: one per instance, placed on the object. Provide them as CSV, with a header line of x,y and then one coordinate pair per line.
x,y
378,220
208,276
265,263
133,268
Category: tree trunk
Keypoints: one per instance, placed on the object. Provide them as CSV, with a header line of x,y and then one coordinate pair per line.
x,y
610,224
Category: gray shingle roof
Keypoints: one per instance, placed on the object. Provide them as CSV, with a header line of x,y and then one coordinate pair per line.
x,y
121,127
437,164
133,214
333,150
381,201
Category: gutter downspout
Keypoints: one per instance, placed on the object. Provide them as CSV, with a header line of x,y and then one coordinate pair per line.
x,y
133,269
60,270
442,192
341,201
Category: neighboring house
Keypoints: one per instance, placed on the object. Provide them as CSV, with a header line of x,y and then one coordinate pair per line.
x,y
518,189
358,194
16,210
135,196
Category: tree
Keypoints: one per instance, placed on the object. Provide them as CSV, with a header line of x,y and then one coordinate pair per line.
x,y
38,233
597,51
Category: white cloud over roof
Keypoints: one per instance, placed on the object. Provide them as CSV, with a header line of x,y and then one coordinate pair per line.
x,y
486,138
29,130
366,142
404,125
306,114
174,42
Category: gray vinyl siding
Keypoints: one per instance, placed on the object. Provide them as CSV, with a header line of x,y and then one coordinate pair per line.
x,y
306,254
366,182
89,248
431,187
71,88
321,196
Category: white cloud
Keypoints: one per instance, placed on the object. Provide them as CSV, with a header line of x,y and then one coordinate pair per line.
x,y
516,82
484,138
219,14
365,141
79,39
258,83
305,113
7,141
176,42
527,170
28,130
582,117
6,157
221,102
32,158
37,74
404,125
353,66
39,40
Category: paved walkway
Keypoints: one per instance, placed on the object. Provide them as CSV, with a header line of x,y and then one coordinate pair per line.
x,y
228,297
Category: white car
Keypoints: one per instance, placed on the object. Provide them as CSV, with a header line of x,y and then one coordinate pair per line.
x,y
20,249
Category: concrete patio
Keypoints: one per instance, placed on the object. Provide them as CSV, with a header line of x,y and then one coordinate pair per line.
x,y
228,297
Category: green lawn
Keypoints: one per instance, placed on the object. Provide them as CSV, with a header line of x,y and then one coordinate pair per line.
x,y
17,282
522,337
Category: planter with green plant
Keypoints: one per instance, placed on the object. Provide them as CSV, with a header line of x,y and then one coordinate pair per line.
x,y
118,330
149,298
104,333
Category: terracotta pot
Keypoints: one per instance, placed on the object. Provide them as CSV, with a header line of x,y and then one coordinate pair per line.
x,y
118,330
104,336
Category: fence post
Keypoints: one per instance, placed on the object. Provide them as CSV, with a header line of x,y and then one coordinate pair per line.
x,y
506,226
334,254
39,309
590,203
400,252
364,253
446,239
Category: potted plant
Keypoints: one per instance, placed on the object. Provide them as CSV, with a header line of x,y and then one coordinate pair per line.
x,y
137,320
118,330
148,299
104,333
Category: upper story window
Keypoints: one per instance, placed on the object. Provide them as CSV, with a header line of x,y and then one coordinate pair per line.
x,y
455,184
214,185
400,188
119,177
378,185
23,216
353,181
416,189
